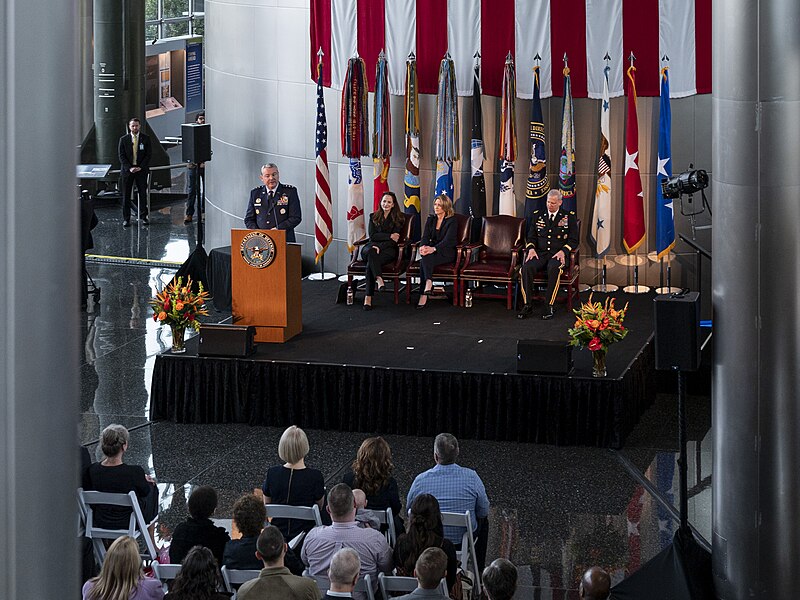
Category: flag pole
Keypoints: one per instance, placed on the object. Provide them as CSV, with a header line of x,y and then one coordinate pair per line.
x,y
322,275
603,286
635,288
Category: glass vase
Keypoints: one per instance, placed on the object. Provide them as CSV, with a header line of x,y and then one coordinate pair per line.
x,y
178,341
599,366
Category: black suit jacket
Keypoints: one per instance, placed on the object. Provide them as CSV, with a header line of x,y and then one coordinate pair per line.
x,y
125,152
549,238
446,238
380,236
283,212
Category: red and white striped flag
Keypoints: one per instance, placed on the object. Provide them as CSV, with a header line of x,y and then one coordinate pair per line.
x,y
323,209
680,29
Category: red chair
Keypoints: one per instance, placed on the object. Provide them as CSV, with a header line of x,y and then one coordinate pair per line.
x,y
445,272
495,259
393,270
570,279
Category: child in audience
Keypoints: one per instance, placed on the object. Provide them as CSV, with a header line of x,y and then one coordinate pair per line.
x,y
365,517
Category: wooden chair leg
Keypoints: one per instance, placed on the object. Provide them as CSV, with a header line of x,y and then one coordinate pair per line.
x,y
397,289
508,296
455,292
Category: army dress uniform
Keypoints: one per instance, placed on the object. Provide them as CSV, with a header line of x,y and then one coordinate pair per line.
x,y
274,209
547,237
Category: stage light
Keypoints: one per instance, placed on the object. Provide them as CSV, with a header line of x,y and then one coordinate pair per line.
x,y
687,182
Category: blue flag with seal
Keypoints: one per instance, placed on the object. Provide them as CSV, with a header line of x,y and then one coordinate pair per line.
x,y
538,185
665,217
566,168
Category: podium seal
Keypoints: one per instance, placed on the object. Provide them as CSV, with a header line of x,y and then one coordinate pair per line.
x,y
257,249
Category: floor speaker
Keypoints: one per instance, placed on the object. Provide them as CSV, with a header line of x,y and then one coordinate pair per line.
x,y
226,340
544,357
677,322
196,142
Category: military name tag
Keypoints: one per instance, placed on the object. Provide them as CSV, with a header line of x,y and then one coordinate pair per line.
x,y
257,249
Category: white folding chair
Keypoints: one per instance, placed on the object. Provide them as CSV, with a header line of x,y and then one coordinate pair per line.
x,y
393,584
298,513
364,584
467,554
233,578
165,573
385,517
137,528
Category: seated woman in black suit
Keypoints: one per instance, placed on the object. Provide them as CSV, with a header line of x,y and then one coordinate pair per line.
x,y
385,226
438,244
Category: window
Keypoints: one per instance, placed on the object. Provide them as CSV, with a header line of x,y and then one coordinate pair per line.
x,y
173,18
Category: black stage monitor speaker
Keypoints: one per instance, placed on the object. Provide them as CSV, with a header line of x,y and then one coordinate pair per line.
x,y
227,340
196,142
544,357
677,320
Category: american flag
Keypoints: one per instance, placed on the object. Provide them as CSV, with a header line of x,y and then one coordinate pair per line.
x,y
323,222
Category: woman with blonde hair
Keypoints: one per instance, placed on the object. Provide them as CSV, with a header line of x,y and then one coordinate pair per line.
x,y
437,245
121,577
293,483
371,472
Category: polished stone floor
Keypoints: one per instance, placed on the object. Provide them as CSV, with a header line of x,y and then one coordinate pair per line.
x,y
555,510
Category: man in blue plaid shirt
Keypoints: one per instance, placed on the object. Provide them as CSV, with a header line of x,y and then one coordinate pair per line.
x,y
457,489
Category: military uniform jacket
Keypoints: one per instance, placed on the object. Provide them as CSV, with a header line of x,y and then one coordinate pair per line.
x,y
283,212
548,238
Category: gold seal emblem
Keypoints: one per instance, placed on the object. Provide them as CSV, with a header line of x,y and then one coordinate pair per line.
x,y
257,249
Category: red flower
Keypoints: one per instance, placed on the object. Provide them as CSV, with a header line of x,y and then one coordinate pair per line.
x,y
166,304
191,317
595,344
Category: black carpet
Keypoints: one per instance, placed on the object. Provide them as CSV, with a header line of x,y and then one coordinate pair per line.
x,y
481,339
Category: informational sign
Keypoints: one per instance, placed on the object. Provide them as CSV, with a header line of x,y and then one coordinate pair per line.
x,y
194,77
92,171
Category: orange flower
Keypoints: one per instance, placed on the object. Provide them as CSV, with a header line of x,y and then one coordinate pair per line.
x,y
179,305
577,324
162,315
593,324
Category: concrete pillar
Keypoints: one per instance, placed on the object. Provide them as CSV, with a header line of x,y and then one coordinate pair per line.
x,y
756,279
39,333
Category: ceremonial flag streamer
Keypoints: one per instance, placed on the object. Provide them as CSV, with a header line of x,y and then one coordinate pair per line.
x,y
508,141
355,144
566,167
411,123
633,207
381,131
477,206
665,216
538,185
600,233
447,132
323,208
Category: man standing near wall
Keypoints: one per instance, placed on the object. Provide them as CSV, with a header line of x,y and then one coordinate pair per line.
x,y
134,159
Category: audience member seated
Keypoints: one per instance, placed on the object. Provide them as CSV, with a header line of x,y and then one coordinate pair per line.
x,y
248,518
457,489
293,483
122,576
385,226
595,584
275,582
371,471
322,542
343,574
500,580
424,531
429,570
437,245
112,475
198,579
199,529
365,517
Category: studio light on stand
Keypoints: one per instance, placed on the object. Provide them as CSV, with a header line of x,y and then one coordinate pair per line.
x,y
687,184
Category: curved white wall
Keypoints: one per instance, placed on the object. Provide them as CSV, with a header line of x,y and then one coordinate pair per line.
x,y
261,104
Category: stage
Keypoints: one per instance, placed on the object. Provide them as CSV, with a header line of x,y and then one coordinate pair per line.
x,y
404,371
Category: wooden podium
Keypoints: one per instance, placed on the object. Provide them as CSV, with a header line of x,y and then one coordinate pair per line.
x,y
268,297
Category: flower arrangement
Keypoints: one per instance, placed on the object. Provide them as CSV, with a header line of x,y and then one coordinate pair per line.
x,y
178,306
598,325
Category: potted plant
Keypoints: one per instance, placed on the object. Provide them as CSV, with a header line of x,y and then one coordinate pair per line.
x,y
597,326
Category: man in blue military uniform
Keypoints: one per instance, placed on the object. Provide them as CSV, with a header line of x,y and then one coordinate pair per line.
x,y
551,235
273,205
